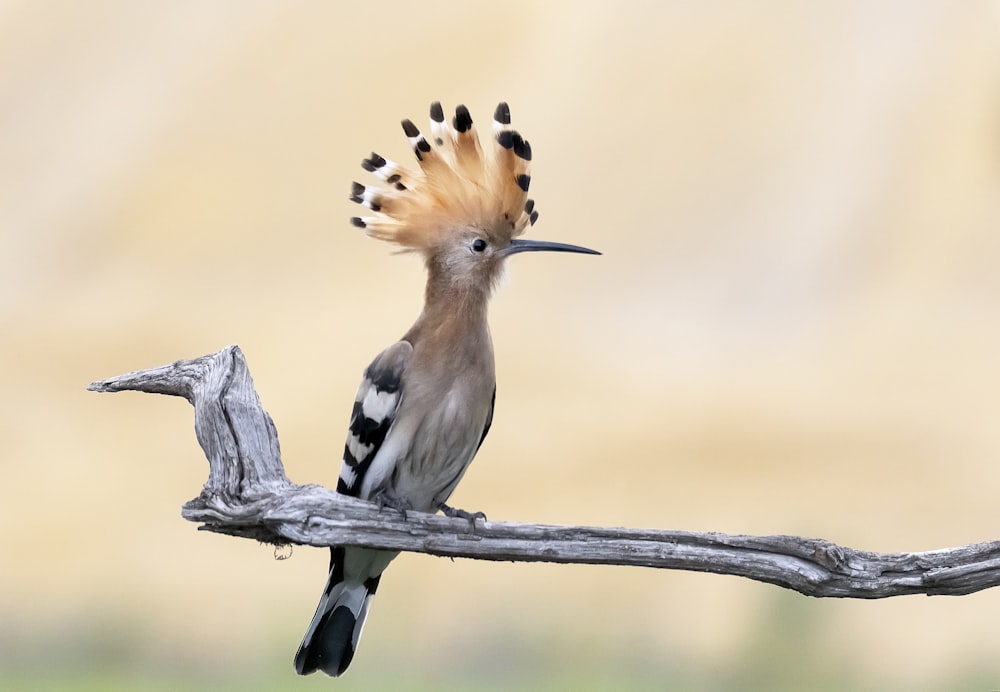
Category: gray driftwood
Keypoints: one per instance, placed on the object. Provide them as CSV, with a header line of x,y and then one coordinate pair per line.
x,y
247,494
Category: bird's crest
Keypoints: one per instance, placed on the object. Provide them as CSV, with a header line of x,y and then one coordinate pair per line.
x,y
458,186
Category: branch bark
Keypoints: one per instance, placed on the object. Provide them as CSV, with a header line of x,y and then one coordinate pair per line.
x,y
247,494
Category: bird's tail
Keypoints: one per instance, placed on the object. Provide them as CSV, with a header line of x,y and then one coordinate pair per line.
x,y
333,634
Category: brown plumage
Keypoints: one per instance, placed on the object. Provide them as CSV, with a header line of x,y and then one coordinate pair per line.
x,y
425,403
459,185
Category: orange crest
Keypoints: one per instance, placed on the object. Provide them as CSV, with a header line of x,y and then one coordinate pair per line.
x,y
458,186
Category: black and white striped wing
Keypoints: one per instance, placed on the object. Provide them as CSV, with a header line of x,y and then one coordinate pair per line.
x,y
374,410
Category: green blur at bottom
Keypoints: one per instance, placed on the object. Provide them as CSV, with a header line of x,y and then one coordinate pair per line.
x,y
761,674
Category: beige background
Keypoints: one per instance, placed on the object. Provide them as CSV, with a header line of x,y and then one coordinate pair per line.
x,y
794,329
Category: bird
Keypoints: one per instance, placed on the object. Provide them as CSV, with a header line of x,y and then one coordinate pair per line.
x,y
425,403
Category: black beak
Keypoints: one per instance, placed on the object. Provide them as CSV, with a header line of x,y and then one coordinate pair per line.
x,y
544,246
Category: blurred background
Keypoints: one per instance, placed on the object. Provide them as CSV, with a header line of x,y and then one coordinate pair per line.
x,y
794,329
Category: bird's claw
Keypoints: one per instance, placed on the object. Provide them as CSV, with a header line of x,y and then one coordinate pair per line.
x,y
384,498
462,514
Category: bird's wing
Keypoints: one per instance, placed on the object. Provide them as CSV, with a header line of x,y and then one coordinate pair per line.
x,y
375,408
489,418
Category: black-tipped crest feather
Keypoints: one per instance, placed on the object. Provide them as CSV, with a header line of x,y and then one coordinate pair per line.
x,y
459,184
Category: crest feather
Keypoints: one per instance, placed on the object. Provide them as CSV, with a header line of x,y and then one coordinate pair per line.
x,y
459,184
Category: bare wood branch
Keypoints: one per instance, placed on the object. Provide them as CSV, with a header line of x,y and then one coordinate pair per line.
x,y
247,494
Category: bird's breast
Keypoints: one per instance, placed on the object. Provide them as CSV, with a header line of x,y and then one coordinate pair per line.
x,y
444,426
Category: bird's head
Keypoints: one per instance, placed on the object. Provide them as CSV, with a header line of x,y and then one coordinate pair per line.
x,y
465,208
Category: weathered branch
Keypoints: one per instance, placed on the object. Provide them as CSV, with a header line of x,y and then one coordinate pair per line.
x,y
247,494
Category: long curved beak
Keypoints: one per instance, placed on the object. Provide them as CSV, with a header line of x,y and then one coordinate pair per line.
x,y
544,246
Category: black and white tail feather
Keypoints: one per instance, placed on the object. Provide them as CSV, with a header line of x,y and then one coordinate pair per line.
x,y
333,634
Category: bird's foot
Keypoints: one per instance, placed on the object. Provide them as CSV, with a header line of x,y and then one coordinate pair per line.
x,y
462,514
384,498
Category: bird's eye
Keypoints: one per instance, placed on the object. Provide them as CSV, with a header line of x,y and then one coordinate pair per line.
x,y
478,245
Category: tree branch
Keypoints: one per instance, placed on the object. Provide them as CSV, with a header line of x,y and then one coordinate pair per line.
x,y
247,494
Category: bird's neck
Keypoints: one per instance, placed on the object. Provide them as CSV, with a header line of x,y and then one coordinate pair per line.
x,y
447,299
452,312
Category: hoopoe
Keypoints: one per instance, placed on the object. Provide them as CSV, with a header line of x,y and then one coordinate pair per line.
x,y
425,403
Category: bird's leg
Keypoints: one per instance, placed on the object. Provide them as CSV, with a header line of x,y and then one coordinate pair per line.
x,y
387,498
462,514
